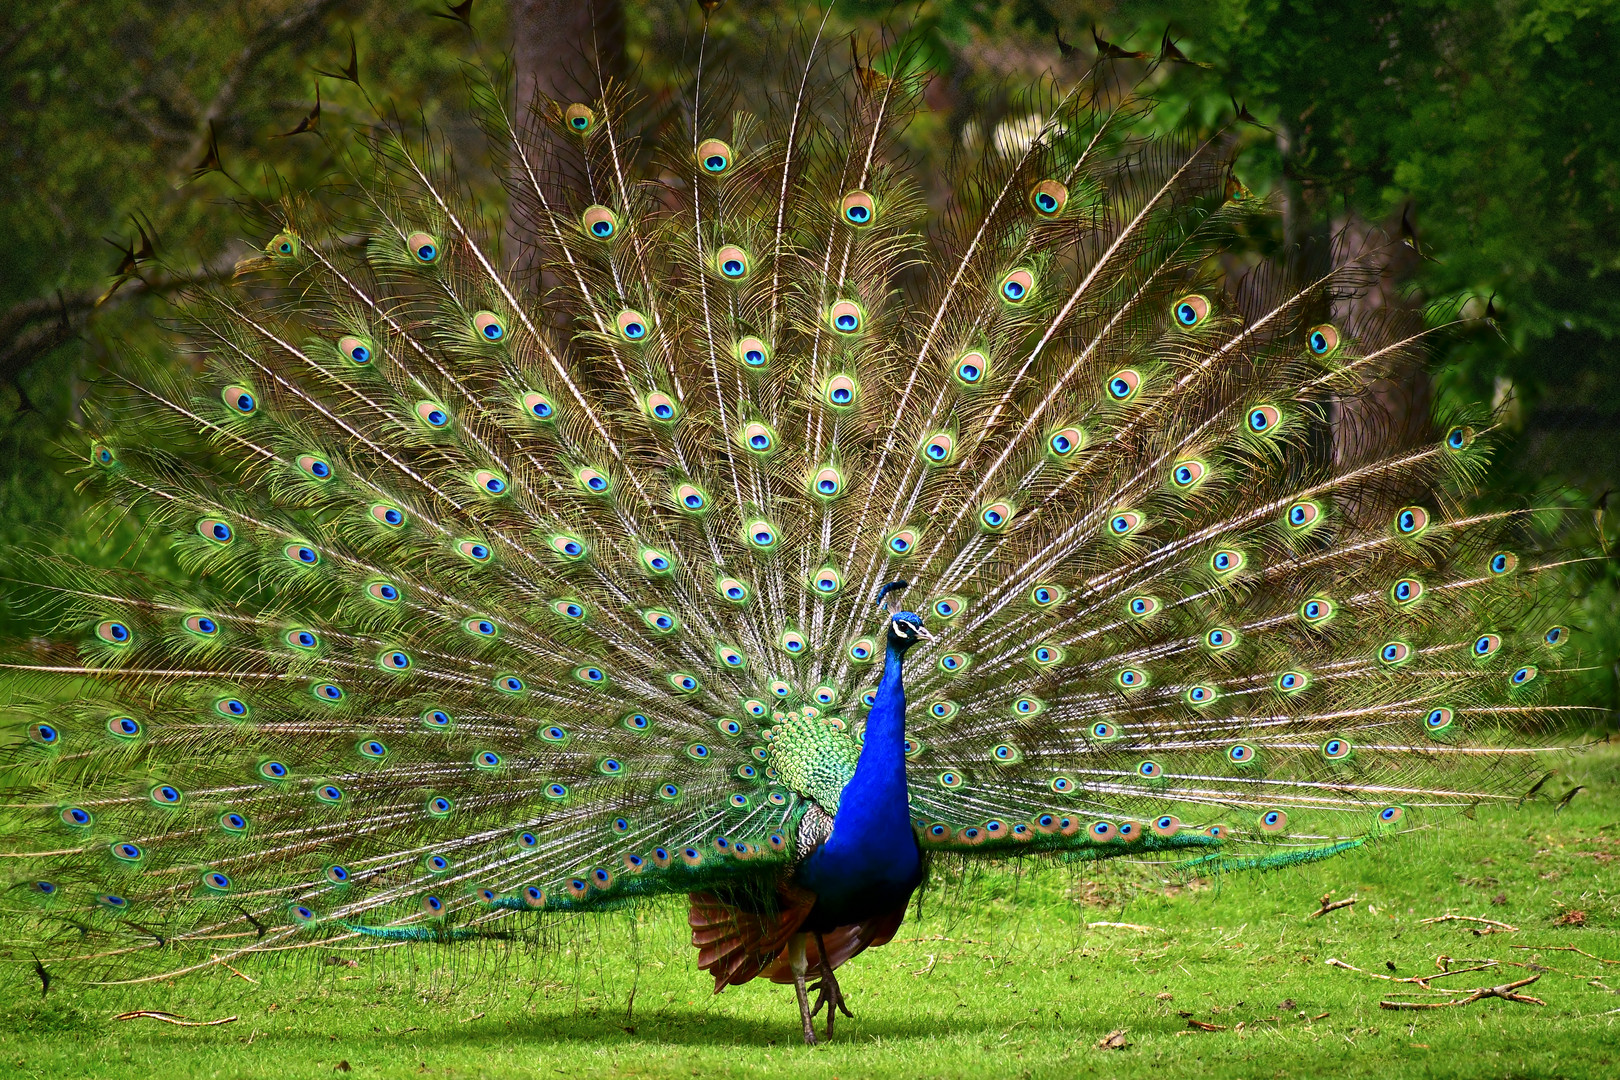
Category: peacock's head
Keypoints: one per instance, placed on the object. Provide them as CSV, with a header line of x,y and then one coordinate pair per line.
x,y
905,630
905,627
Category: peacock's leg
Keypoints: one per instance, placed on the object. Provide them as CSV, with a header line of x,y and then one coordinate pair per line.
x,y
797,961
829,993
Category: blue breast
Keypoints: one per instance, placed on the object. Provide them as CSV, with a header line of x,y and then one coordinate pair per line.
x,y
870,864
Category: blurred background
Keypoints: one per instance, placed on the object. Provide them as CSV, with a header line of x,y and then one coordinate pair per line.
x,y
1484,137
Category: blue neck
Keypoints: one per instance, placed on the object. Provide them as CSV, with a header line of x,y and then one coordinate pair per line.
x,y
876,794
872,846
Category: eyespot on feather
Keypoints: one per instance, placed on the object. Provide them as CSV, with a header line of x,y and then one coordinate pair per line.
x,y
1017,286
1263,419
1123,385
1048,198
1322,340
857,209
1187,475
357,350
841,391
714,156
239,399
600,223
731,262
757,438
845,317
1302,515
216,531
579,119
433,414
202,626
539,406
972,369
424,247
1066,442
939,449
1190,311
753,352
489,326
901,543
996,517
661,407
1411,521
316,468
1123,523
391,516
632,325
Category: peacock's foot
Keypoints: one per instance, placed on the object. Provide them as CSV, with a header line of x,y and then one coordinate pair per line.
x,y
828,993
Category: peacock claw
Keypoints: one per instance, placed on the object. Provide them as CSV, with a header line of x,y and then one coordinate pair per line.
x,y
828,992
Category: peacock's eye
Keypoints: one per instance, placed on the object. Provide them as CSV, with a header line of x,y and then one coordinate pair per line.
x,y
858,209
753,352
240,399
1017,286
1190,311
1048,198
972,368
356,349
845,316
600,222
1322,340
579,119
1123,385
841,390
1263,419
715,156
424,247
732,262
489,326
632,325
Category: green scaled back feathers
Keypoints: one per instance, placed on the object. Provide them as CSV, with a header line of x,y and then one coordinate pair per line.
x,y
503,599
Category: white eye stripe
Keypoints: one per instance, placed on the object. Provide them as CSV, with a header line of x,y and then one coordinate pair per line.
x,y
903,628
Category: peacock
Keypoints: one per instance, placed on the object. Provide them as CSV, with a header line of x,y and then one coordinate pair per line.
x,y
766,529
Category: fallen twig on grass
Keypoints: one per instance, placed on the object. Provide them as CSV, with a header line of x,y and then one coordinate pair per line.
x,y
1505,992
1419,980
1126,926
1201,1026
1329,904
1495,927
172,1018
1563,948
926,968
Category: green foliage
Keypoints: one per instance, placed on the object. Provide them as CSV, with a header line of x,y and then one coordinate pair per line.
x,y
112,105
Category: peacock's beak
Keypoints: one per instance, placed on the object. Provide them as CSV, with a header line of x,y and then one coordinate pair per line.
x,y
922,632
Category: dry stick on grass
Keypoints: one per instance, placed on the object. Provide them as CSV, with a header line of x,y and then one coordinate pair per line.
x,y
1563,948
1126,926
1328,906
1494,926
1505,992
1420,980
172,1018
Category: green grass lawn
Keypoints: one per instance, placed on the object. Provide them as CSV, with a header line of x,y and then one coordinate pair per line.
x,y
1006,974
